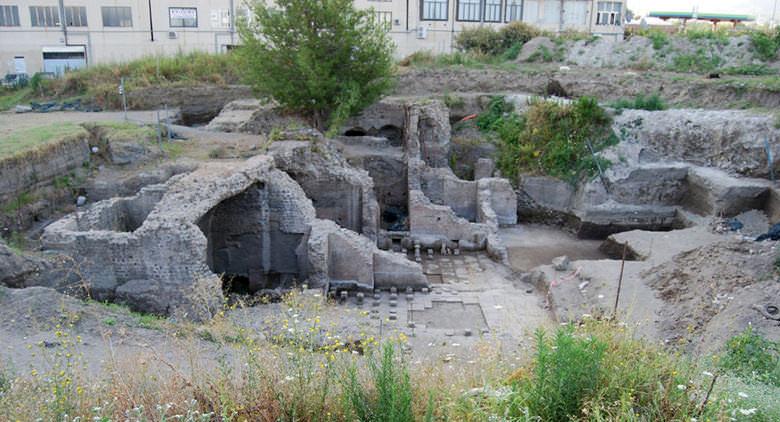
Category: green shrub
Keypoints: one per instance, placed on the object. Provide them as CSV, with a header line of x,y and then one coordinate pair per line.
x,y
640,102
765,44
482,39
600,372
391,398
659,39
491,119
516,34
752,356
558,140
505,42
324,59
512,52
566,372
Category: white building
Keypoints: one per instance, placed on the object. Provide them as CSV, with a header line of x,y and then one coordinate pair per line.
x,y
433,24
34,39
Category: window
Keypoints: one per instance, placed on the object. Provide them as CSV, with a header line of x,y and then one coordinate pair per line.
x,y
76,16
117,16
469,10
609,13
434,10
472,10
183,17
9,16
514,10
384,18
492,10
44,16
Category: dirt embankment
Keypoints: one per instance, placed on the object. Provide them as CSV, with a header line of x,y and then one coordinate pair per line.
x,y
710,293
198,104
605,84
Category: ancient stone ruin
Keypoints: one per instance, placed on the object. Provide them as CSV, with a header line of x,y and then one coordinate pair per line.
x,y
300,214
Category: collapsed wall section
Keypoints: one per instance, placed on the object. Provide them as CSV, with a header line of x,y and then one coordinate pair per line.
x,y
339,192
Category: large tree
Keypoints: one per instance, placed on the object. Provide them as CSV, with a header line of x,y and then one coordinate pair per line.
x,y
320,58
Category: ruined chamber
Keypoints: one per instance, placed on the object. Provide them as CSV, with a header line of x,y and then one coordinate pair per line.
x,y
169,248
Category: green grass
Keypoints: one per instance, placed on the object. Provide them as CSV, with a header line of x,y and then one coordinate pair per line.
x,y
392,395
25,140
640,102
751,356
11,97
750,70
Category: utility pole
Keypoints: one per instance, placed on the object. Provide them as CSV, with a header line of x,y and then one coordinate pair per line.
x,y
774,12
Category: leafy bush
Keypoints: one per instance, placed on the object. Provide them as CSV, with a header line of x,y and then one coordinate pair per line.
x,y
554,139
491,119
752,356
392,399
598,372
506,41
483,39
659,39
566,372
640,102
516,33
324,59
765,44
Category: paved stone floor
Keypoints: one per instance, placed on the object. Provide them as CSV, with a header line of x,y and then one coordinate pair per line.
x,y
473,299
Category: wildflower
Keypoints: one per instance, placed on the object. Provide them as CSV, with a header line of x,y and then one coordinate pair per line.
x,y
680,387
743,395
707,373
748,412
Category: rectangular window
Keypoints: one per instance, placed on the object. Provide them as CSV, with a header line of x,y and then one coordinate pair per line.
x,y
492,10
9,16
469,10
434,10
385,19
609,13
514,10
183,17
117,16
76,16
44,16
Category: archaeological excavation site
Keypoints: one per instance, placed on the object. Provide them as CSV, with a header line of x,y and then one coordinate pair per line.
x,y
538,241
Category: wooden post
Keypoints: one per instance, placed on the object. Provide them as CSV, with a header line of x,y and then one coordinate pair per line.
x,y
620,280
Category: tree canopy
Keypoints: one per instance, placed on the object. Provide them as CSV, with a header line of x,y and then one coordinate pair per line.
x,y
321,58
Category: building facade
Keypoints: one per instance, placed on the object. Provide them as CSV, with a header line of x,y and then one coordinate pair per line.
x,y
434,24
56,35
